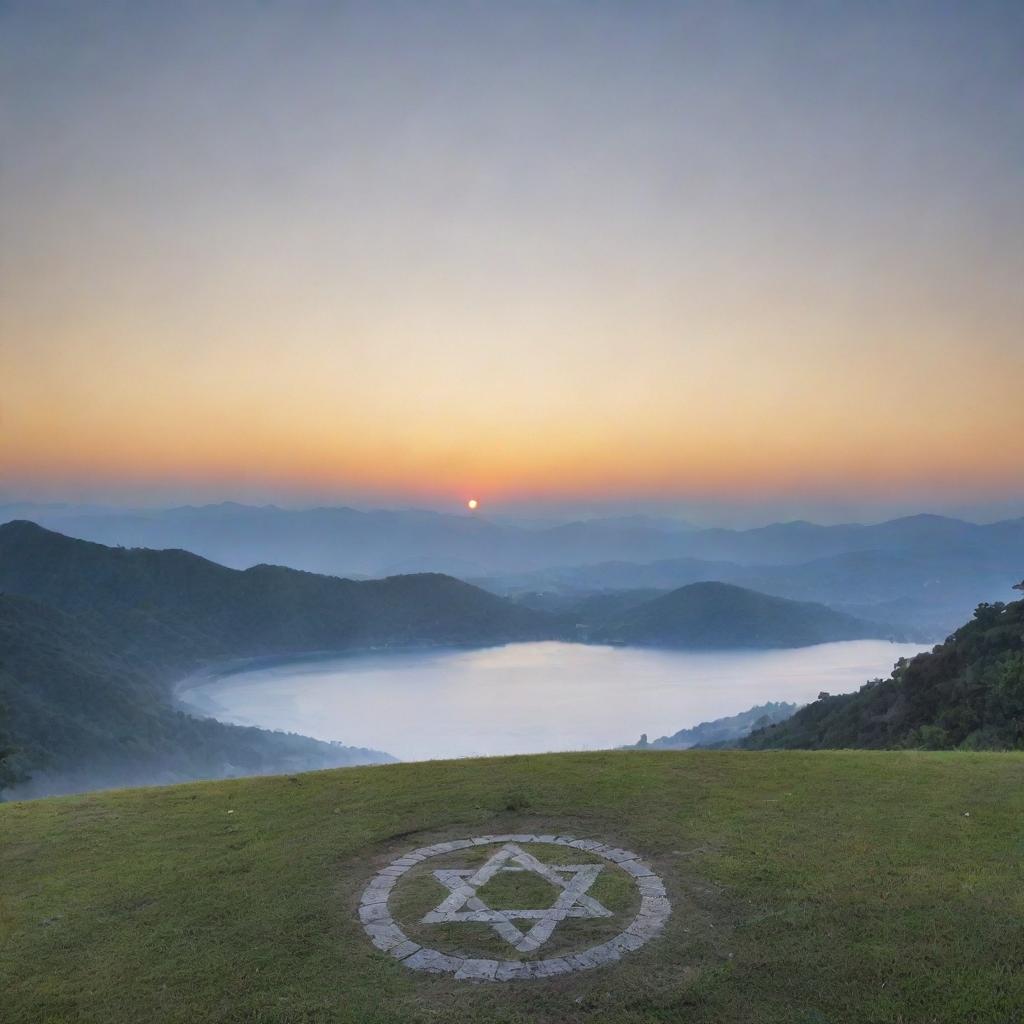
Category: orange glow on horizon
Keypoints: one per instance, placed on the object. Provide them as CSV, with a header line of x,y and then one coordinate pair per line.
x,y
750,286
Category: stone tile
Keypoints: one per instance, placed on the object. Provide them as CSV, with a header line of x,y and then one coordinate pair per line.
x,y
637,868
626,942
601,956
613,853
404,949
477,970
551,967
510,970
432,961
385,935
644,927
374,912
650,885
655,906
586,844
442,848
388,936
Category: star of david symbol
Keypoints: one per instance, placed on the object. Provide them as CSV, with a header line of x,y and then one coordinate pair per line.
x,y
573,881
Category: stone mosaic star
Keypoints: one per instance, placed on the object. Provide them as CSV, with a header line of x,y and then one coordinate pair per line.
x,y
463,903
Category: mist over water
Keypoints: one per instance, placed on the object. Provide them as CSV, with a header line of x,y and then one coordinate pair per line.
x,y
528,697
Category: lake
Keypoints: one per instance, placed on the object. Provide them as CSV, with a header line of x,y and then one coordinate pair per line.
x,y
526,697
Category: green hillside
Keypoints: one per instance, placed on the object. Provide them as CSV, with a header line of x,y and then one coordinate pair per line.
x,y
722,615
967,692
839,887
91,639
77,711
175,605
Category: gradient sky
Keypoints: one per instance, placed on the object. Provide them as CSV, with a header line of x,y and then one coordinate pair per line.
x,y
544,252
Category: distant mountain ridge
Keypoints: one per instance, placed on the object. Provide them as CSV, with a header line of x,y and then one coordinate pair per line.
x,y
720,615
929,594
350,542
920,572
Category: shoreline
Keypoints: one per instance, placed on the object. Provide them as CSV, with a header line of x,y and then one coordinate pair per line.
x,y
678,689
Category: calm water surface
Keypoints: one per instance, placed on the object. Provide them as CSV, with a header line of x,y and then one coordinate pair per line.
x,y
528,697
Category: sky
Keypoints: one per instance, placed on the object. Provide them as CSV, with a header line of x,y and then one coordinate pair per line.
x,y
575,254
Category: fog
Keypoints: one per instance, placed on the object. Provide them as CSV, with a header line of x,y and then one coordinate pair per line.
x,y
921,575
83,656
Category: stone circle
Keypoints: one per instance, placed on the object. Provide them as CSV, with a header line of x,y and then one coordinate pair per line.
x,y
462,903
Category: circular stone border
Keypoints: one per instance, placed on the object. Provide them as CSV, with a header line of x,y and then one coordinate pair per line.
x,y
386,935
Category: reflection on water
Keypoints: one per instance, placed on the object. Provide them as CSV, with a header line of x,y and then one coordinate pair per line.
x,y
529,697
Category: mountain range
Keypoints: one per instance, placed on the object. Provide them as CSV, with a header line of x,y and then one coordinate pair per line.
x,y
925,595
94,638
924,573
352,542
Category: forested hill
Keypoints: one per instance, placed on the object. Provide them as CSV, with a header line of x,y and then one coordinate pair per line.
x,y
968,692
722,615
173,606
76,714
91,638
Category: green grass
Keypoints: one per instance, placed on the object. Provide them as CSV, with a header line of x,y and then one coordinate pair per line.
x,y
807,887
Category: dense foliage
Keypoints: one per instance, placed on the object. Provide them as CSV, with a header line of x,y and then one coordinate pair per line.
x,y
80,713
173,606
968,693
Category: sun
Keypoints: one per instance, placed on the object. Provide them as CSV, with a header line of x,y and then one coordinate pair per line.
x,y
472,504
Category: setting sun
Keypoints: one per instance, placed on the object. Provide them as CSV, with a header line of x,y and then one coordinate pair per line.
x,y
472,504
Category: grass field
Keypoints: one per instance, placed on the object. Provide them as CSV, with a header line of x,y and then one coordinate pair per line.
x,y
806,887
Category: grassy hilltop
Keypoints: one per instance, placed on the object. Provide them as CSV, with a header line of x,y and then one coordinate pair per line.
x,y
806,887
